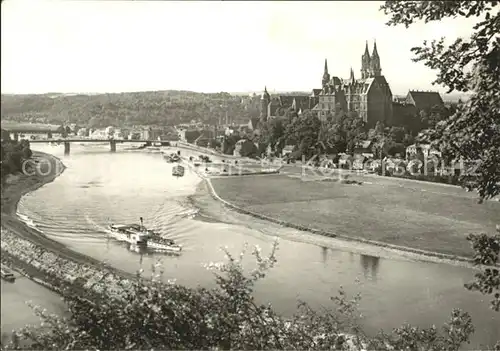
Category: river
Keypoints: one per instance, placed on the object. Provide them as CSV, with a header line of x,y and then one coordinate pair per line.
x,y
99,187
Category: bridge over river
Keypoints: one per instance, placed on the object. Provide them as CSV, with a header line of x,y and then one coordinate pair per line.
x,y
112,142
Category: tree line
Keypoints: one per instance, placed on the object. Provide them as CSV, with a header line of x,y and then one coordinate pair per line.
x,y
164,108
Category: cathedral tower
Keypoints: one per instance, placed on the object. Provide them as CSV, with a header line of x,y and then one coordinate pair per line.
x,y
365,63
265,99
352,80
326,75
375,69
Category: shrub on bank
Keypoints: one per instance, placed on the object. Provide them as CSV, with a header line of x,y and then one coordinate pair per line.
x,y
148,314
12,155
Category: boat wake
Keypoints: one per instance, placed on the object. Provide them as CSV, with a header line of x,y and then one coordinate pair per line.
x,y
28,221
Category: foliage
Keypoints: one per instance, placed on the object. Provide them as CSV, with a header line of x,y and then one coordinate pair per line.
x,y
229,143
344,132
155,315
248,148
273,133
303,131
383,139
138,108
473,132
12,156
313,136
451,62
487,249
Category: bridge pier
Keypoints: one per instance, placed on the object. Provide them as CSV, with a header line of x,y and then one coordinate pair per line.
x,y
112,145
66,147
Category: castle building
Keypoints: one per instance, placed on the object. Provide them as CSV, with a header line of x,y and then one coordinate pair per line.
x,y
331,100
368,97
271,107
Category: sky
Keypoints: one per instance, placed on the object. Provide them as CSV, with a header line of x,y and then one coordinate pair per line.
x,y
117,46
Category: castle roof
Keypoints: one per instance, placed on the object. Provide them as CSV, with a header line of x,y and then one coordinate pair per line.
x,y
316,92
335,81
424,99
301,101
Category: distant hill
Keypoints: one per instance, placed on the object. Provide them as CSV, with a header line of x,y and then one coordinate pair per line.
x,y
99,110
454,97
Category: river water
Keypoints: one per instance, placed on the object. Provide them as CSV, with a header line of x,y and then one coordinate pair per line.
x,y
99,187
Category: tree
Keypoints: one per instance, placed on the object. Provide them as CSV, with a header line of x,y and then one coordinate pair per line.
x,y
397,134
472,133
343,132
437,114
303,131
273,133
408,140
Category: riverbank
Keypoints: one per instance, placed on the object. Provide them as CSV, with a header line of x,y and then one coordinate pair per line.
x,y
418,222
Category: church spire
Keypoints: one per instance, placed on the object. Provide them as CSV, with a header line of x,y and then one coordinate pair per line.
x,y
326,75
351,77
367,53
375,52
265,95
365,63
375,69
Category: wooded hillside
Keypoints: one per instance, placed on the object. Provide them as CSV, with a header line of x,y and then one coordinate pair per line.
x,y
155,107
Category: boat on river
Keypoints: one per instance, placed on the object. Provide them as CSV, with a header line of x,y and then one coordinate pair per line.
x,y
178,171
139,236
172,158
130,233
7,274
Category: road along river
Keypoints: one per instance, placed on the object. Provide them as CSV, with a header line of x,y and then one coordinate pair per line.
x,y
99,187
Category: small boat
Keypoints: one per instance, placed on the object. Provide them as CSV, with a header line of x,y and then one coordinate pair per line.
x,y
178,171
7,274
153,149
131,233
172,158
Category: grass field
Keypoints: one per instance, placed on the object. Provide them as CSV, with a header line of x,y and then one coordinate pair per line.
x,y
420,216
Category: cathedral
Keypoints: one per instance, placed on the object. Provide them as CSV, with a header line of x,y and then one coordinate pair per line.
x,y
368,97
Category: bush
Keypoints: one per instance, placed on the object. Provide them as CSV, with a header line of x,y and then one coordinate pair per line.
x,y
153,315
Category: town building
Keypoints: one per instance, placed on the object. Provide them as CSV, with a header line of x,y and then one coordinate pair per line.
x,y
82,132
427,151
